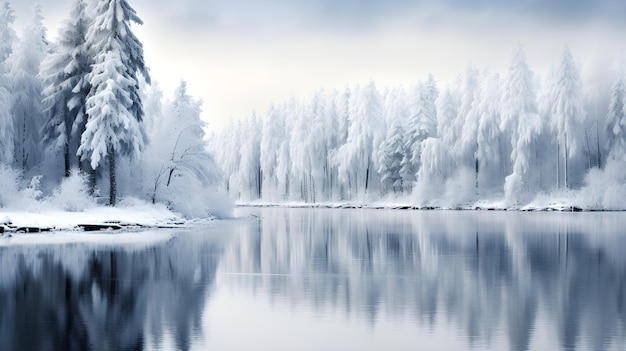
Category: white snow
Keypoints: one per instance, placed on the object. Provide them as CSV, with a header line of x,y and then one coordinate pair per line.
x,y
129,211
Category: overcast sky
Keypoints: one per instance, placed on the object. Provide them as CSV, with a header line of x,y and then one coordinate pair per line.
x,y
241,55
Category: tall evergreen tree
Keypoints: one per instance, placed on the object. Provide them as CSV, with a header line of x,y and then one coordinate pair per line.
x,y
521,121
616,120
26,106
421,124
568,114
113,105
6,49
393,149
66,86
466,147
489,151
272,135
358,158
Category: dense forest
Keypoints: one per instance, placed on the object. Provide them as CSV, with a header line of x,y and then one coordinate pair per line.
x,y
79,118
504,139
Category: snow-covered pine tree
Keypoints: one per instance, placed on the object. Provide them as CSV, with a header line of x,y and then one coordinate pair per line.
x,y
358,157
317,147
568,117
332,138
113,105
616,120
250,174
521,121
489,151
421,124
467,122
26,106
6,49
66,87
272,135
393,149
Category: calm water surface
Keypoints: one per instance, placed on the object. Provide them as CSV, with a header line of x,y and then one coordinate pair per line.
x,y
313,279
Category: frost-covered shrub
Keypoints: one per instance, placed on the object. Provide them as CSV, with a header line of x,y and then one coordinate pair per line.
x,y
9,185
605,189
33,190
189,197
72,194
460,189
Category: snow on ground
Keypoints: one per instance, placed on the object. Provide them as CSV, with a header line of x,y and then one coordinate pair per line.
x,y
131,212
561,202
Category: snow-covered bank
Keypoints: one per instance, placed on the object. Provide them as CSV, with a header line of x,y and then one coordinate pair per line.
x,y
539,204
132,213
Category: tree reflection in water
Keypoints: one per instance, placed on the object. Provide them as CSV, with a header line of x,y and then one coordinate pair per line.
x,y
80,297
534,279
485,272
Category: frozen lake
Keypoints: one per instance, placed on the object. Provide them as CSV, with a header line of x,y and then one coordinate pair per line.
x,y
327,279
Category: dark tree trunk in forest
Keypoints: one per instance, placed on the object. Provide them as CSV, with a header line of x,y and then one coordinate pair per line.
x,y
558,165
92,180
66,155
598,145
112,181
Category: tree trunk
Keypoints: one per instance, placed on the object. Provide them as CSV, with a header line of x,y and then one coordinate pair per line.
x,y
598,145
66,155
112,181
588,148
476,168
367,175
566,164
558,165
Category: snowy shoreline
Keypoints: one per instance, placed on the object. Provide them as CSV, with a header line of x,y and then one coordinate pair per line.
x,y
487,206
127,218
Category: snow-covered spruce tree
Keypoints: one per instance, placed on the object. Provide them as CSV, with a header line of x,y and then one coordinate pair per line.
x,y
342,103
467,121
357,158
489,141
301,167
284,163
567,121
317,141
616,121
26,106
272,135
6,49
521,121
436,156
393,149
65,73
114,108
227,154
331,127
246,181
421,124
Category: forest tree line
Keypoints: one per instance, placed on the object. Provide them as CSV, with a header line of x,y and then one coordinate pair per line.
x,y
82,106
485,136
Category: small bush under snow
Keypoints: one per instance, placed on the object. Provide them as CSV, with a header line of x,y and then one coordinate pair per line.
x,y
9,185
605,189
72,194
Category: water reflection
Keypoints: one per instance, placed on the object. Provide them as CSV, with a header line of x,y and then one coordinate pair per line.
x,y
520,281
80,297
486,273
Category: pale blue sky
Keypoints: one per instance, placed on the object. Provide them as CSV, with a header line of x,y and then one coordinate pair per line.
x,y
240,55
